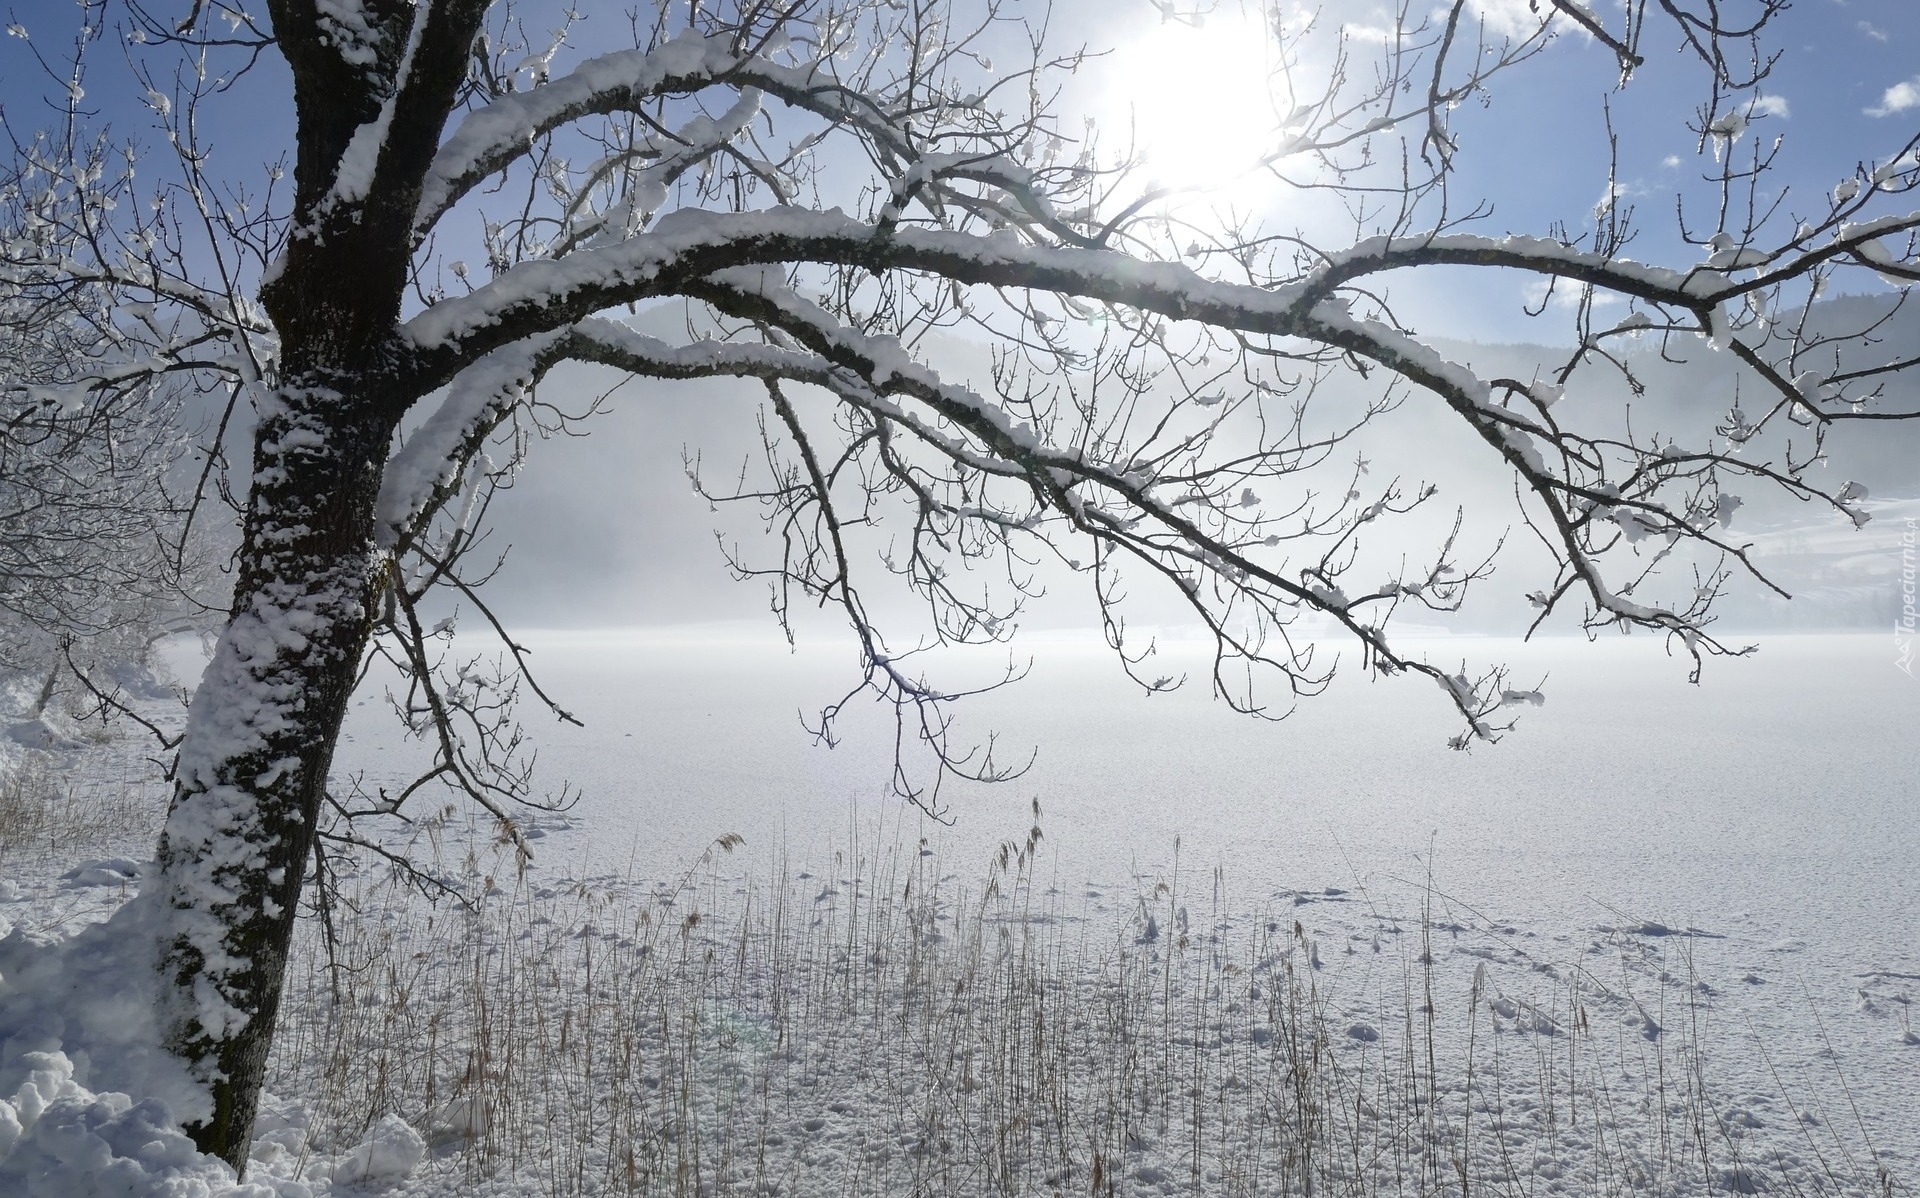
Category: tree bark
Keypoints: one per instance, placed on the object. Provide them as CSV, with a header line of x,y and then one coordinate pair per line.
x,y
260,739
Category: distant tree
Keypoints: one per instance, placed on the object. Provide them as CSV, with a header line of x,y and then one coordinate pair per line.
x,y
94,539
825,185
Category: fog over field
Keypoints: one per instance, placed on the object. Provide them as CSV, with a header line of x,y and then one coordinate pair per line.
x,y
603,528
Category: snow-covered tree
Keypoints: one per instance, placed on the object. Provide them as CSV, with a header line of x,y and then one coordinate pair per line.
x,y
86,554
94,543
836,190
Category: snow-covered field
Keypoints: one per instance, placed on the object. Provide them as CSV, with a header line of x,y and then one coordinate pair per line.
x,y
1663,939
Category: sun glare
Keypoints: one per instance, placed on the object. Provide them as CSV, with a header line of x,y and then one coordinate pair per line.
x,y
1200,97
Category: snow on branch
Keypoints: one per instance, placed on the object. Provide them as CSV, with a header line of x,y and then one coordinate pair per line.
x,y
495,135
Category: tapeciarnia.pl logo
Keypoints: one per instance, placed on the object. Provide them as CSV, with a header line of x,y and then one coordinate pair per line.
x,y
1904,627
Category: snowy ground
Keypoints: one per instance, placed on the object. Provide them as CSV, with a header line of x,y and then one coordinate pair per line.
x,y
851,1008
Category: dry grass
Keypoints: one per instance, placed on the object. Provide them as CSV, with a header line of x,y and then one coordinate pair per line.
x,y
46,814
888,1029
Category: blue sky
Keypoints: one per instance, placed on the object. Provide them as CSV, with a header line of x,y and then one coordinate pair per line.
x,y
1838,63
1847,85
1846,89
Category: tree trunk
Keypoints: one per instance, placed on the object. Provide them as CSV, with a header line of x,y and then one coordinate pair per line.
x,y
46,691
259,741
263,725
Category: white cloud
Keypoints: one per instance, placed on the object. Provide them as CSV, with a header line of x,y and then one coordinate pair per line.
x,y
1670,161
1372,35
1566,296
1516,19
1770,106
1878,35
1898,98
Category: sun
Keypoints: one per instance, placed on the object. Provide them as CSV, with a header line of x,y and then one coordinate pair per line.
x,y
1201,95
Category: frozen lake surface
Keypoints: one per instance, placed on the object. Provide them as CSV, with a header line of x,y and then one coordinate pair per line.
x,y
1760,831
1784,790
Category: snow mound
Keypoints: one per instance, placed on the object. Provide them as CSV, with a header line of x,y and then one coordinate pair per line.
x,y
93,997
113,871
392,1150
38,734
78,1036
58,1137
